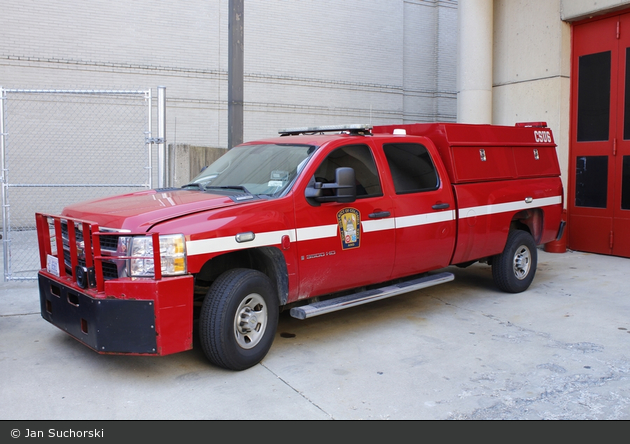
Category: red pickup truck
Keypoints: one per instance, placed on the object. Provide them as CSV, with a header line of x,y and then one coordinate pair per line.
x,y
311,221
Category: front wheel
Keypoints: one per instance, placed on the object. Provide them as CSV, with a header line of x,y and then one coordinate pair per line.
x,y
513,270
238,319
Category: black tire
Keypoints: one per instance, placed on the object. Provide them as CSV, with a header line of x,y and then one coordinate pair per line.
x,y
238,319
513,270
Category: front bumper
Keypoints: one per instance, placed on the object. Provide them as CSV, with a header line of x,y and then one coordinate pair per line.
x,y
132,316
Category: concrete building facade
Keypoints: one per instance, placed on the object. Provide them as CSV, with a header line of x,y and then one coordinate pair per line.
x,y
305,63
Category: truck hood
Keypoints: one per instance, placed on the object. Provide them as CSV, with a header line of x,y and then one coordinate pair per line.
x,y
139,211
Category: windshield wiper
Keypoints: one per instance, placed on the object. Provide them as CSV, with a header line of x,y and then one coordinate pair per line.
x,y
193,184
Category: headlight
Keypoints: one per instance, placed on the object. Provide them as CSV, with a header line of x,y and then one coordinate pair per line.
x,y
172,255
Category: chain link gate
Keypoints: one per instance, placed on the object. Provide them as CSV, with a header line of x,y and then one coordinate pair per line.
x,y
64,146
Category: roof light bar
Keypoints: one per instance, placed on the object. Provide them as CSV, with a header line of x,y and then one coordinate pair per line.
x,y
359,129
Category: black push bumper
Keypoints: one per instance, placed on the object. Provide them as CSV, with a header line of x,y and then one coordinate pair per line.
x,y
105,325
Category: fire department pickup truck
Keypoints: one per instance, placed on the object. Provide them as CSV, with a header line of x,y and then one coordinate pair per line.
x,y
310,221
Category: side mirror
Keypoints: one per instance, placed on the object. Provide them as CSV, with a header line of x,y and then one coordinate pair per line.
x,y
344,190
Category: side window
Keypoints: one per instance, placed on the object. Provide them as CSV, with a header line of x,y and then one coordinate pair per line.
x,y
358,157
411,167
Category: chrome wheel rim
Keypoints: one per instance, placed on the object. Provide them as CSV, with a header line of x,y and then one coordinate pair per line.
x,y
250,321
522,262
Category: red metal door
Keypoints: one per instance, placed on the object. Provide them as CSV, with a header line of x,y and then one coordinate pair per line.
x,y
424,206
345,245
621,177
598,222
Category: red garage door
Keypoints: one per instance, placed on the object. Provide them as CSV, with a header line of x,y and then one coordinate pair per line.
x,y
599,162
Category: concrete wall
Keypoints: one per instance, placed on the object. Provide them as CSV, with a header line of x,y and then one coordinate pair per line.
x,y
187,161
329,62
531,75
572,10
306,62
100,44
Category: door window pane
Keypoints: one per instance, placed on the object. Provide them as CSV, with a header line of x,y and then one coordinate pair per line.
x,y
358,157
411,167
591,181
593,97
625,184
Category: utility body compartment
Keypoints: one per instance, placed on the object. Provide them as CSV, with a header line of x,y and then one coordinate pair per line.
x,y
500,176
481,153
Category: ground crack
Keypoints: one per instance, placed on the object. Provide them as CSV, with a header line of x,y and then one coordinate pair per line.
x,y
310,401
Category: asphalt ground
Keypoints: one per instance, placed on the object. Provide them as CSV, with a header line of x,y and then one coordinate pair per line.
x,y
459,351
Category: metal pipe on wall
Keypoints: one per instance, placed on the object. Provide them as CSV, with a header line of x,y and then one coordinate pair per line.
x,y
148,137
235,73
161,117
5,203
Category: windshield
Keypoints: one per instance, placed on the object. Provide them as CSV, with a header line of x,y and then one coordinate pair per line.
x,y
258,169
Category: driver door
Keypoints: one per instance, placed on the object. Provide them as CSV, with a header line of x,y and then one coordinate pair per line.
x,y
345,245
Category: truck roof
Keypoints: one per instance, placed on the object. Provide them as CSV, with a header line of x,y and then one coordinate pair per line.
x,y
450,134
470,152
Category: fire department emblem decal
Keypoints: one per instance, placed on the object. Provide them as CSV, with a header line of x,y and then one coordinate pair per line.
x,y
349,220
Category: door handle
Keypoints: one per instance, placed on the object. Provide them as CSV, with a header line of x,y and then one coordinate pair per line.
x,y
379,214
442,206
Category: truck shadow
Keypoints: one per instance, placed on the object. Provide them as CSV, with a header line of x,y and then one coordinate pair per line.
x,y
470,284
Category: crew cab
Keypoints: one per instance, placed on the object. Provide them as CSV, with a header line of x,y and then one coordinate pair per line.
x,y
311,221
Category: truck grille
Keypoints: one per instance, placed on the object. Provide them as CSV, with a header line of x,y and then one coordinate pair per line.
x,y
57,258
109,246
108,243
110,269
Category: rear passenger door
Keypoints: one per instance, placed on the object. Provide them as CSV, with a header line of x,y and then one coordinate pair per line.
x,y
424,206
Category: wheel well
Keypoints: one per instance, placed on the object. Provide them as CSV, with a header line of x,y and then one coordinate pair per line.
x,y
530,221
268,260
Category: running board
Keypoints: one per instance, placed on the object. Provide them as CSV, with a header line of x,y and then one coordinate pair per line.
x,y
335,304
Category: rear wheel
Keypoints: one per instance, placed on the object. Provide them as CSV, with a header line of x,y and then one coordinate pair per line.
x,y
513,270
238,319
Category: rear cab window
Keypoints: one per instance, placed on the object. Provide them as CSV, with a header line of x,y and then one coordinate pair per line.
x,y
411,167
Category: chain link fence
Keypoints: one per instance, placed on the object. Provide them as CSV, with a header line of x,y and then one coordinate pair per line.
x,y
61,147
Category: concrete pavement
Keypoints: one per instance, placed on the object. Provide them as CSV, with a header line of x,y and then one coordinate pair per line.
x,y
462,350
